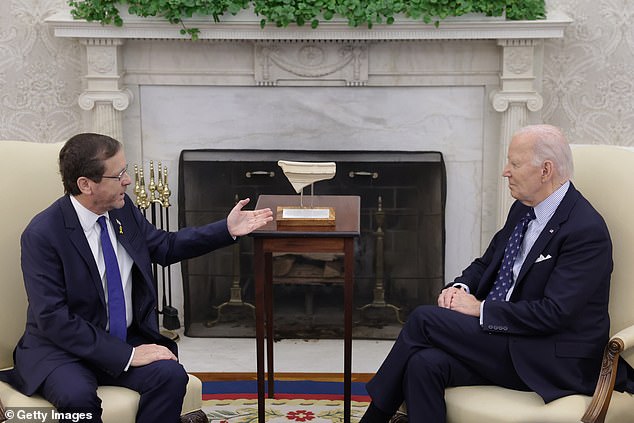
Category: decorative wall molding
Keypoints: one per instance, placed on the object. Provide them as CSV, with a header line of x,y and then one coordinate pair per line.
x,y
318,61
119,100
502,100
246,26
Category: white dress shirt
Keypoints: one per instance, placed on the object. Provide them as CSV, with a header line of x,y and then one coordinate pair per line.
x,y
92,231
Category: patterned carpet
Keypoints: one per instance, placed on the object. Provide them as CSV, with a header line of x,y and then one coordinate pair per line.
x,y
296,400
281,410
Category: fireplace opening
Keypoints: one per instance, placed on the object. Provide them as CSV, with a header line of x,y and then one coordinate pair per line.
x,y
399,256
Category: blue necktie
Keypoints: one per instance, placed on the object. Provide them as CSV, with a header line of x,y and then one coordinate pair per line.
x,y
116,300
504,278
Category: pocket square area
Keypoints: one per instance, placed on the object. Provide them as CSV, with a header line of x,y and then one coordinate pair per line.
x,y
542,258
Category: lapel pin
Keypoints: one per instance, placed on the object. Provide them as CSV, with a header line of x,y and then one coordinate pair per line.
x,y
120,227
551,231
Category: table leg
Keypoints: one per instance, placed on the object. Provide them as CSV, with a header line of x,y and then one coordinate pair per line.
x,y
268,297
260,315
347,334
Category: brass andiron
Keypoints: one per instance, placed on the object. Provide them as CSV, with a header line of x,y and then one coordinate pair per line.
x,y
236,291
379,290
158,197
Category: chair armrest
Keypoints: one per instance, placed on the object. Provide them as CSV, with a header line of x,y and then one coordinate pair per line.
x,y
598,408
627,336
3,416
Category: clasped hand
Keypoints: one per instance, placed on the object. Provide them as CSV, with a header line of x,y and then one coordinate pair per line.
x,y
459,300
149,353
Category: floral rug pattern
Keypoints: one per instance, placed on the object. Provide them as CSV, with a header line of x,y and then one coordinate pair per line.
x,y
281,410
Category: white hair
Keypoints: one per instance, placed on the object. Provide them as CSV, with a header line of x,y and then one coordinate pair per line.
x,y
550,144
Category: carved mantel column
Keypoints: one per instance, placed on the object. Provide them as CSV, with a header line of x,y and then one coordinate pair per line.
x,y
517,96
104,93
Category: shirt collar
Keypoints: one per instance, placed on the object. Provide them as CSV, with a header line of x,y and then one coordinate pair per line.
x,y
87,219
545,210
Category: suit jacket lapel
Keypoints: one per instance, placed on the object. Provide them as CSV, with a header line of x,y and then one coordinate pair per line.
x,y
549,231
78,239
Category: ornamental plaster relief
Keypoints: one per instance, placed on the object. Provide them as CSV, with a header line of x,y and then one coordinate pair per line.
x,y
519,61
323,61
101,62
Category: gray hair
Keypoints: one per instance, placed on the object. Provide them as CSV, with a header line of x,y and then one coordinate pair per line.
x,y
550,144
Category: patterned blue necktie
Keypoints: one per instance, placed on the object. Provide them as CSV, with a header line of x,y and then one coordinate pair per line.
x,y
116,300
504,279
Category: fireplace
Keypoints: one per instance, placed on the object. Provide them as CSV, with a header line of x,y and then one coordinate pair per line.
x,y
460,89
399,260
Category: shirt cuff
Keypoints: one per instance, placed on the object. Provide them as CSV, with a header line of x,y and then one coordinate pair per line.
x,y
461,285
482,313
129,361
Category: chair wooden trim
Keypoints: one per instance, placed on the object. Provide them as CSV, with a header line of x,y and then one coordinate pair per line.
x,y
598,408
197,416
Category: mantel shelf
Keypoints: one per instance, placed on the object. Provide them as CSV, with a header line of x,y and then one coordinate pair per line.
x,y
246,26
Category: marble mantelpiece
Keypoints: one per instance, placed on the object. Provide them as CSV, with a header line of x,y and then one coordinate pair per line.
x,y
462,89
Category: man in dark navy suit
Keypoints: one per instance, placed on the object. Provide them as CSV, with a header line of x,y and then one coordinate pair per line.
x,y
67,349
530,314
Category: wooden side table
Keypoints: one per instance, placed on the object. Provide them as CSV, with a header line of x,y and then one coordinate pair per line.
x,y
334,239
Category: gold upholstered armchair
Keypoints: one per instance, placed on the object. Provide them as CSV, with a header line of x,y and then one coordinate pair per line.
x,y
30,181
605,175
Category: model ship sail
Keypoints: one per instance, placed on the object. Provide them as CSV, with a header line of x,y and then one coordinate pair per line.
x,y
302,174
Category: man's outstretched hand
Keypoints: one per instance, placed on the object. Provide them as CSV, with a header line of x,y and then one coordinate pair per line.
x,y
242,222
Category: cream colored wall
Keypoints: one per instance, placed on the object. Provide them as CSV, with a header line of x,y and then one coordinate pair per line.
x,y
588,76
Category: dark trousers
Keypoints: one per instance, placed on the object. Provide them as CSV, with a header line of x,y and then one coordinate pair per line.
x,y
439,348
72,387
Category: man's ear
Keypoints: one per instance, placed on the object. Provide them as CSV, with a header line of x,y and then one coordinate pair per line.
x,y
84,185
547,170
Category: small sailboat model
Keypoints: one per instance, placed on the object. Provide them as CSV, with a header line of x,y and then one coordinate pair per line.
x,y
300,175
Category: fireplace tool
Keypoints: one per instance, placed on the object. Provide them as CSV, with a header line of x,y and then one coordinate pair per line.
x,y
236,291
158,198
379,290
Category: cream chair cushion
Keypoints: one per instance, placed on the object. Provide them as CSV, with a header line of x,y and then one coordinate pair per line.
x,y
119,404
604,175
492,404
30,181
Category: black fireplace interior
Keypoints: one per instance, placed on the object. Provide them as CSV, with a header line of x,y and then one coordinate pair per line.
x,y
399,257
